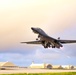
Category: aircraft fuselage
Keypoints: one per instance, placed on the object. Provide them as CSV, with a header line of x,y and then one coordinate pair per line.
x,y
47,39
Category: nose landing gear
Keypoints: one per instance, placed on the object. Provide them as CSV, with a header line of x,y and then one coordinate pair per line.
x,y
38,37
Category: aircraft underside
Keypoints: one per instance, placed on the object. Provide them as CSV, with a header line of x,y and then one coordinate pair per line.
x,y
47,41
48,44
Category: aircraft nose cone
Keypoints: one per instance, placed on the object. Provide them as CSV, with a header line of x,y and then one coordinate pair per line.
x,y
32,28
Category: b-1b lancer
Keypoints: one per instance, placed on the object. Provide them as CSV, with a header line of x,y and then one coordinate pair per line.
x,y
48,41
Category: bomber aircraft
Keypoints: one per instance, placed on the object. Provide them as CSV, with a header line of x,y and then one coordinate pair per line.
x,y
48,41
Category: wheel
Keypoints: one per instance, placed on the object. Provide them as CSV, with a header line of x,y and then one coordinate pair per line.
x,y
37,39
53,46
45,47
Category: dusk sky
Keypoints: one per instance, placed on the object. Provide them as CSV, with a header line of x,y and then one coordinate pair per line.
x,y
56,17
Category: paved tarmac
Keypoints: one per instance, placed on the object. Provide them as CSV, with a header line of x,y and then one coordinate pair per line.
x,y
33,71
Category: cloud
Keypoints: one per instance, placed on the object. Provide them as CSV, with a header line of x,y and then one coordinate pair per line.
x,y
29,56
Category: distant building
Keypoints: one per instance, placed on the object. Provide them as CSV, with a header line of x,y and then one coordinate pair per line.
x,y
43,65
68,66
33,65
74,67
57,67
4,65
49,66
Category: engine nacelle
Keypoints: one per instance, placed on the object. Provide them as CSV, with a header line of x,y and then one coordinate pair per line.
x,y
45,44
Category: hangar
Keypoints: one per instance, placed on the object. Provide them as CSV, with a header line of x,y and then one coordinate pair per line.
x,y
49,66
7,65
43,65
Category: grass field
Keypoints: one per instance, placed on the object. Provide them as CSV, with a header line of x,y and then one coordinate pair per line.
x,y
63,73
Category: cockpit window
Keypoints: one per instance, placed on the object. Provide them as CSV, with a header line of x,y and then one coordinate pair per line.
x,y
40,31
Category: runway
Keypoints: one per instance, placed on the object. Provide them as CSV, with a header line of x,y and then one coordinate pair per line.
x,y
33,71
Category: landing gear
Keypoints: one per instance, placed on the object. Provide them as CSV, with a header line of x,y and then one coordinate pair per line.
x,y
46,44
38,37
53,46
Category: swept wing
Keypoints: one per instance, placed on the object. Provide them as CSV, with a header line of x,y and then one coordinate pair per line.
x,y
67,41
32,42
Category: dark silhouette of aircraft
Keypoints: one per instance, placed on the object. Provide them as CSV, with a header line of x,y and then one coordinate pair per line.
x,y
48,41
